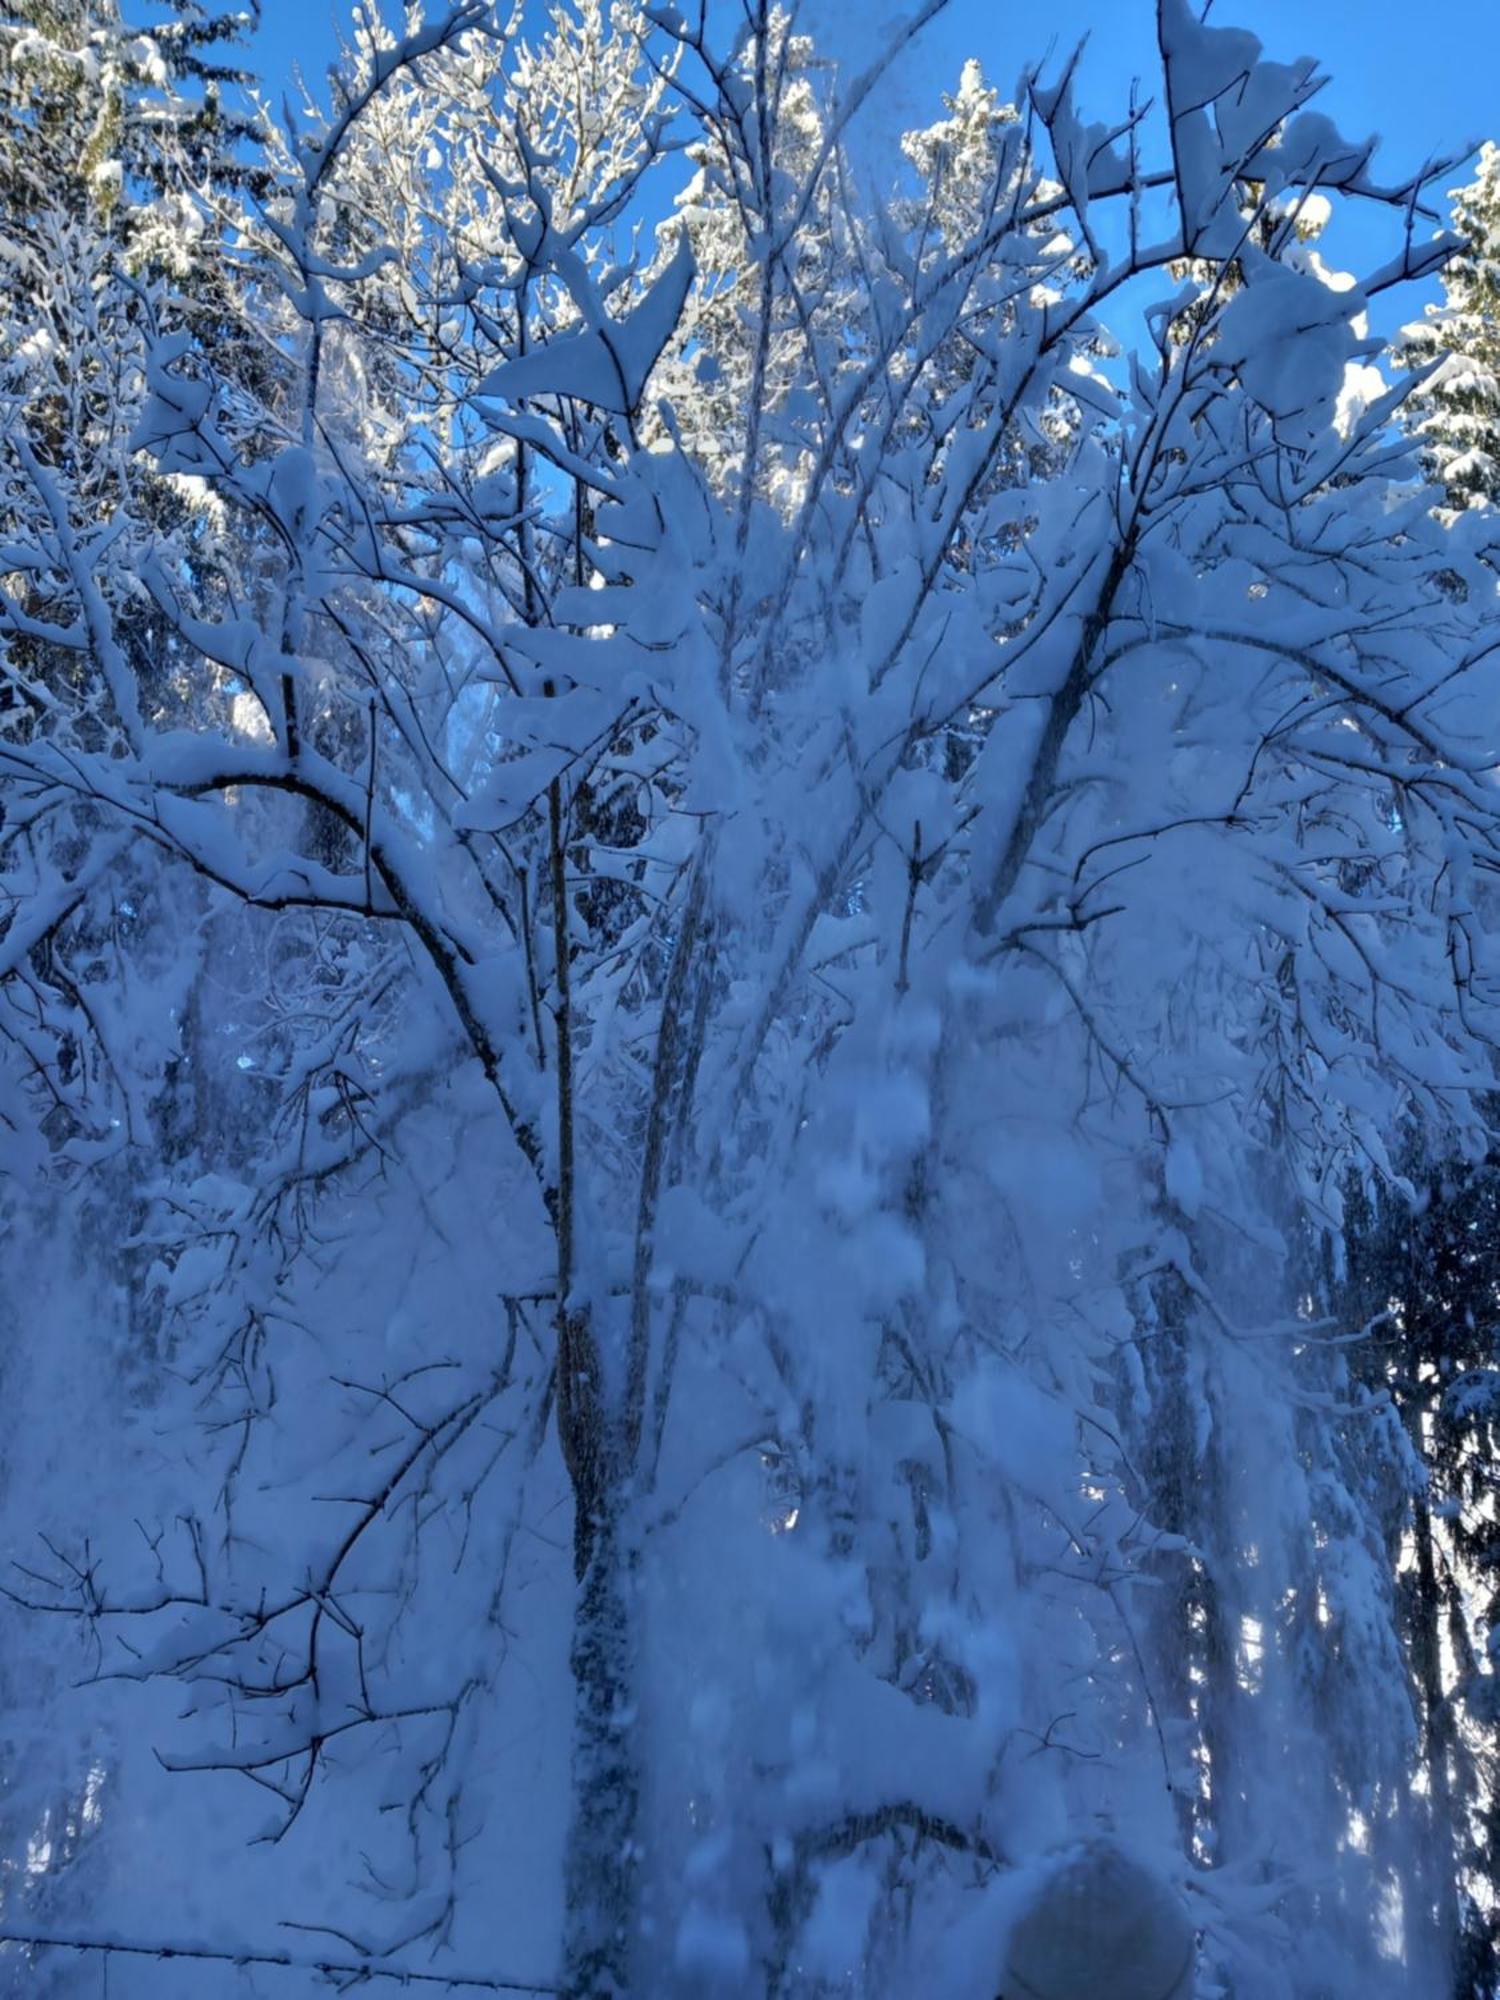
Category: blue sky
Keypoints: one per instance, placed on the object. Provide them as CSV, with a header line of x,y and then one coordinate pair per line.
x,y
1426,79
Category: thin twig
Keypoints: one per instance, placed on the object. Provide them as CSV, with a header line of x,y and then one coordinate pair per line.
x,y
358,1972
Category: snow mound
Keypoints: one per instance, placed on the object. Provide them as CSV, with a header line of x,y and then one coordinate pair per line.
x,y
1099,1922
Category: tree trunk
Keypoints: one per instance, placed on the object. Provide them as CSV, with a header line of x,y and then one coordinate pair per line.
x,y
603,1865
1441,1860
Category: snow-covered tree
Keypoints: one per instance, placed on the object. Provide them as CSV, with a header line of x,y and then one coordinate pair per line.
x,y
119,172
760,1376
1455,406
1419,1269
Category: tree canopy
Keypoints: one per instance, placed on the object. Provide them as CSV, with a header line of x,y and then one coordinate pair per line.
x,y
747,1016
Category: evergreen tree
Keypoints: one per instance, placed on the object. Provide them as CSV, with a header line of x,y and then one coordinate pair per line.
x,y
122,177
1455,409
1423,1278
